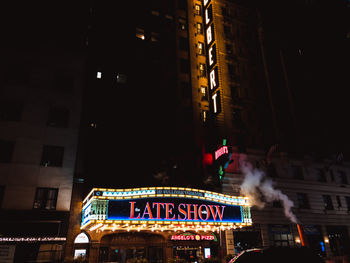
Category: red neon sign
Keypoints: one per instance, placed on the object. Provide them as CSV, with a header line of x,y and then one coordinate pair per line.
x,y
169,211
192,237
221,152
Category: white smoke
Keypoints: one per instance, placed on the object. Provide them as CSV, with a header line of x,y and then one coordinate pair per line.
x,y
260,189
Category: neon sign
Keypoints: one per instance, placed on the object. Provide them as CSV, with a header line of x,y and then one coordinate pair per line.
x,y
173,209
192,237
215,97
221,152
162,208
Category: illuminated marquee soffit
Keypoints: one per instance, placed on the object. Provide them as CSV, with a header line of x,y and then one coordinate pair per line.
x,y
101,222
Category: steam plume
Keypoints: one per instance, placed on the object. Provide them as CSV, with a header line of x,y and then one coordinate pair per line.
x,y
255,185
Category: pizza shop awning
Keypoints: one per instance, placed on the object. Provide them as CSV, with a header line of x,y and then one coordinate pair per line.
x,y
163,209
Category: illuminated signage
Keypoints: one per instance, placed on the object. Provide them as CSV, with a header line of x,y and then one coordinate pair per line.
x,y
31,239
173,209
162,208
215,96
193,237
220,152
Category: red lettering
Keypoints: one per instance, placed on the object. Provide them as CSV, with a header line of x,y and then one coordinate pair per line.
x,y
169,210
182,212
132,207
200,212
217,212
194,211
158,208
147,211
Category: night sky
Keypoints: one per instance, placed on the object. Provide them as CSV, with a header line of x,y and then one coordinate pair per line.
x,y
311,33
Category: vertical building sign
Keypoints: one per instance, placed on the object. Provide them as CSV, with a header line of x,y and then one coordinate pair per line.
x,y
213,76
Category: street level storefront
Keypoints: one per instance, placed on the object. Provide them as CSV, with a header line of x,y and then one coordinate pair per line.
x,y
158,223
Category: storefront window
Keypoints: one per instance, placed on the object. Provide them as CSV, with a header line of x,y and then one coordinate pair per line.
x,y
281,236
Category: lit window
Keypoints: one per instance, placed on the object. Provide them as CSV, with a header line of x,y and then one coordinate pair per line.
x,y
204,115
121,78
202,70
99,75
197,9
140,33
169,17
155,13
204,93
200,48
79,253
154,37
182,24
199,28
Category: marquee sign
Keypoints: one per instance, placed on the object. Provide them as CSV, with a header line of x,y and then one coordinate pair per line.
x,y
215,97
162,207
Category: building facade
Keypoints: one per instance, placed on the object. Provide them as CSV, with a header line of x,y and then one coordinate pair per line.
x,y
39,118
319,192
178,94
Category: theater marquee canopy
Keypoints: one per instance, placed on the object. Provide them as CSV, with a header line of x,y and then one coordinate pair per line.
x,y
163,209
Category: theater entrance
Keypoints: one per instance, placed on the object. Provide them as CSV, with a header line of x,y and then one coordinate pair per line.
x,y
121,247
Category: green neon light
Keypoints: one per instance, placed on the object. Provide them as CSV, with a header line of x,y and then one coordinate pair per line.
x,y
224,141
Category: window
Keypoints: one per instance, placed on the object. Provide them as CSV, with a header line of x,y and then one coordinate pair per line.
x,y
45,198
184,66
197,10
64,82
2,192
183,43
121,78
99,75
231,69
234,92
6,151
155,13
52,156
229,49
338,201
154,37
199,27
202,70
281,235
182,23
321,175
343,179
204,92
332,175
58,117
303,201
204,115
200,48
227,31
297,172
182,4
140,33
10,111
328,205
347,200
